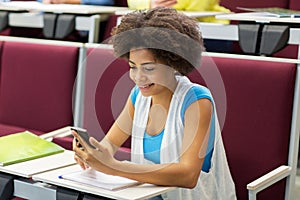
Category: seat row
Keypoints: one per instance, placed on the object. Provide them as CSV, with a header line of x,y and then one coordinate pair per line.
x,y
46,85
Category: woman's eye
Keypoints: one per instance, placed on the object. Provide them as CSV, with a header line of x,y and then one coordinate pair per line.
x,y
132,67
149,69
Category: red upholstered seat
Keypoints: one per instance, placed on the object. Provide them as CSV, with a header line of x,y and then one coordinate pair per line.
x,y
36,87
9,129
65,142
258,112
294,5
111,23
112,20
107,86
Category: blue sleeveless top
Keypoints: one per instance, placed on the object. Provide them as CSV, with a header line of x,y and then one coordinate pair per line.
x,y
152,144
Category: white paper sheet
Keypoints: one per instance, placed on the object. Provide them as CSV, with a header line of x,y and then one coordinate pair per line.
x,y
99,179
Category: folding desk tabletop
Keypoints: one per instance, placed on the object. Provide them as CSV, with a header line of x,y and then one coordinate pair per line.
x,y
28,168
142,191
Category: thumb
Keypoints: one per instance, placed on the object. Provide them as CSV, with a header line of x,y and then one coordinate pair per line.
x,y
96,144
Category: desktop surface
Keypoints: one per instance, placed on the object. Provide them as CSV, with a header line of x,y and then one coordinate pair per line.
x,y
138,192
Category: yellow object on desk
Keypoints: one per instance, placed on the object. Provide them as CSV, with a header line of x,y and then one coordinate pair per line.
x,y
23,146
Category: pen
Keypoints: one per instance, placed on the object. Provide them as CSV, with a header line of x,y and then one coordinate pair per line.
x,y
289,15
296,16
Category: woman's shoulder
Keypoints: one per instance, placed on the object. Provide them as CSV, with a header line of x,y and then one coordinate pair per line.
x,y
197,92
200,89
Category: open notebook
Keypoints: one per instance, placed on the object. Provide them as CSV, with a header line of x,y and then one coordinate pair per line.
x,y
23,146
99,179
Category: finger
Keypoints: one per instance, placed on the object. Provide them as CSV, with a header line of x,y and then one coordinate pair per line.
x,y
81,157
100,147
78,161
82,162
84,165
74,133
81,142
79,151
74,143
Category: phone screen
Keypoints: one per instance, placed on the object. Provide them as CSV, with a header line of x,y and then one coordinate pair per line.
x,y
83,135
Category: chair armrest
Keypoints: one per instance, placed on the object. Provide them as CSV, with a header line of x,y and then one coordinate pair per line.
x,y
62,132
268,179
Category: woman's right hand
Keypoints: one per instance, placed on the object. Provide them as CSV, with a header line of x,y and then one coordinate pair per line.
x,y
162,3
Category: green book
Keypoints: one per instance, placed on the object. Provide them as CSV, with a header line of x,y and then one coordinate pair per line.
x,y
23,146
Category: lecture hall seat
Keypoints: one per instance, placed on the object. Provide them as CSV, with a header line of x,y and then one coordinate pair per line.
x,y
36,85
9,129
255,117
107,86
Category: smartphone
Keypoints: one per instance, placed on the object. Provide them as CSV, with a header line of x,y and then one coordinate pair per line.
x,y
84,135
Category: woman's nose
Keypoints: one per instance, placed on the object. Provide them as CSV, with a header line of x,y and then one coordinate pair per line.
x,y
139,75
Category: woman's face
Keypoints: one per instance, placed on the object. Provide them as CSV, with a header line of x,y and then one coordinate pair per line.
x,y
150,75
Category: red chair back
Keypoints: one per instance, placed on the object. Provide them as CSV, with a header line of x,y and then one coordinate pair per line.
x,y
107,88
254,100
37,83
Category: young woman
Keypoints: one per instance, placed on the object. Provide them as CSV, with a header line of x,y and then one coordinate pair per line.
x,y
173,124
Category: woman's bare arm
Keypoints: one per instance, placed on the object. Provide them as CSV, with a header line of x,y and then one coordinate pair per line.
x,y
182,174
